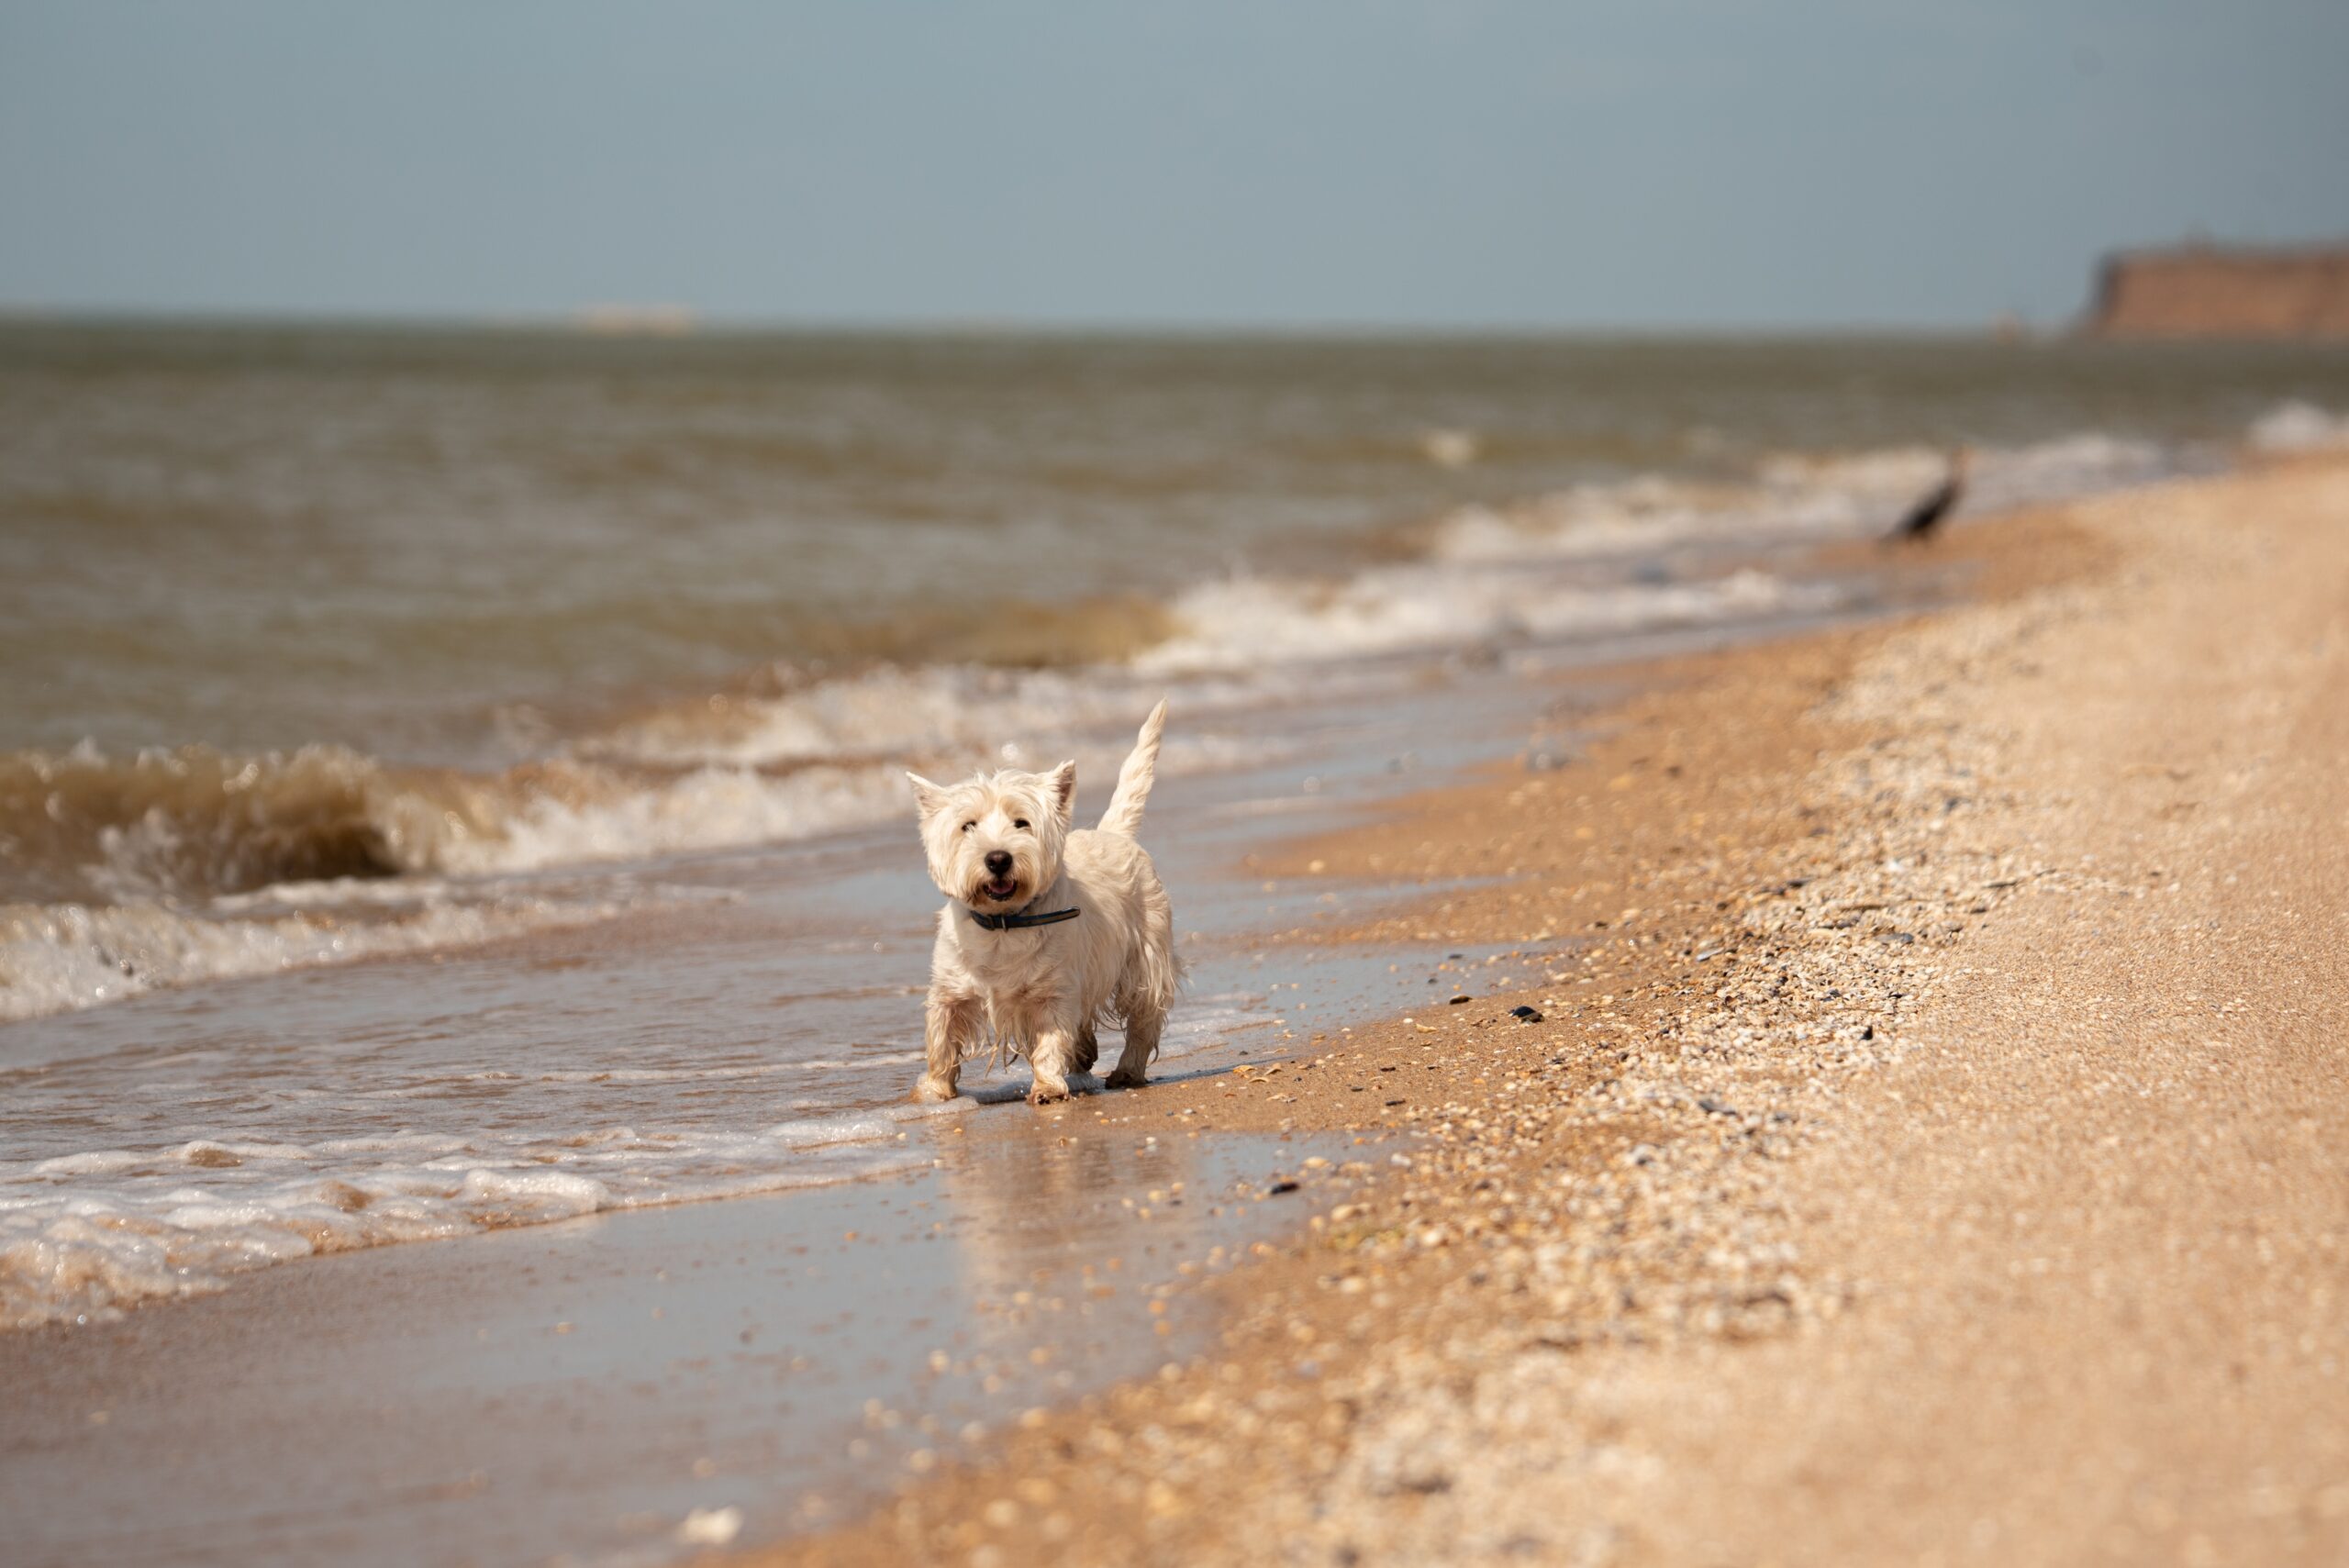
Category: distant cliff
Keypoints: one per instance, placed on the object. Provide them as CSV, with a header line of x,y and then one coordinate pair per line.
x,y
2203,291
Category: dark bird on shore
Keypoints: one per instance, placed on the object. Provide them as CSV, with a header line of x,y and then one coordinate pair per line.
x,y
1927,514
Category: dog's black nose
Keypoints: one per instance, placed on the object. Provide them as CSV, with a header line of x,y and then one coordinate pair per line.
x,y
998,862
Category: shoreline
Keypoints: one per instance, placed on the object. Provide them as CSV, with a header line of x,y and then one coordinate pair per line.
x,y
1671,1273
794,970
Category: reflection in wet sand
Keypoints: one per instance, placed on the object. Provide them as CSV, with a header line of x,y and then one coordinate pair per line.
x,y
1057,1232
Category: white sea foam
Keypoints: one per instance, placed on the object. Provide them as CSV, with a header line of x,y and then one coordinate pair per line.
x,y
1795,499
961,712
1249,622
2061,470
722,806
710,807
84,1235
56,958
2298,427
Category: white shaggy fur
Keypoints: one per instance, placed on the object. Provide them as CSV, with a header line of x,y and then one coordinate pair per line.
x,y
1000,843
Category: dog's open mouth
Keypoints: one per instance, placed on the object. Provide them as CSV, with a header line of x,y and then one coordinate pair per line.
x,y
999,890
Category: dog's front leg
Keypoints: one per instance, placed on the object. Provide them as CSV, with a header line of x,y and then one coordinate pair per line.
x,y
1053,1055
950,1031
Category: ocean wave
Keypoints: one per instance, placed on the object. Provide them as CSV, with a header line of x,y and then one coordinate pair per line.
x,y
81,824
1793,499
123,873
1246,623
173,829
200,877
622,816
891,712
193,823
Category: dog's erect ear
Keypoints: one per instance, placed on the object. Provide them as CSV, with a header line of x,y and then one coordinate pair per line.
x,y
1064,785
928,796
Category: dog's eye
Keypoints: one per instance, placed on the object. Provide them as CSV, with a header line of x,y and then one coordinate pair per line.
x,y
968,826
1019,822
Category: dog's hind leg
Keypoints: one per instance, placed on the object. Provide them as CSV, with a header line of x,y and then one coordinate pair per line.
x,y
1088,1049
1143,1025
950,1032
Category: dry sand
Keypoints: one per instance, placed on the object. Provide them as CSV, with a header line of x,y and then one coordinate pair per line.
x,y
1930,1149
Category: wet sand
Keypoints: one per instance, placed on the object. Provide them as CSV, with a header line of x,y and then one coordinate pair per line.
x,y
1926,1150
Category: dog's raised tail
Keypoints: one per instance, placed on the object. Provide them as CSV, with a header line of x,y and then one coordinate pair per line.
x,y
1135,778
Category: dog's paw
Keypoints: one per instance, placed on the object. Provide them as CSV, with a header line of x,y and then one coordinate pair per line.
x,y
1045,1094
1122,1079
933,1091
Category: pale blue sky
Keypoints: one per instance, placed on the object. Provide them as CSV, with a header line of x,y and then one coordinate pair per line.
x,y
1300,162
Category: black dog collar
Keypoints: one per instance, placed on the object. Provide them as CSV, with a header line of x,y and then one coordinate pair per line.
x,y
1019,922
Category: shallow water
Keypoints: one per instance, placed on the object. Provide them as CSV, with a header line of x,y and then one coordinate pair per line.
x,y
572,1392
750,1023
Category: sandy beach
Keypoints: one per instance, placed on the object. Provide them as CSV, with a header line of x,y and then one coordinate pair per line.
x,y
1925,1152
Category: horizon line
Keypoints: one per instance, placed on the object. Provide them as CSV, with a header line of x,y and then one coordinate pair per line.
x,y
668,321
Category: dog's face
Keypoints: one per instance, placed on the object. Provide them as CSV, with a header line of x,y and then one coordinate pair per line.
x,y
994,841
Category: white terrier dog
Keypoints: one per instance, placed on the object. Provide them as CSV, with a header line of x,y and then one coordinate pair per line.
x,y
1049,932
